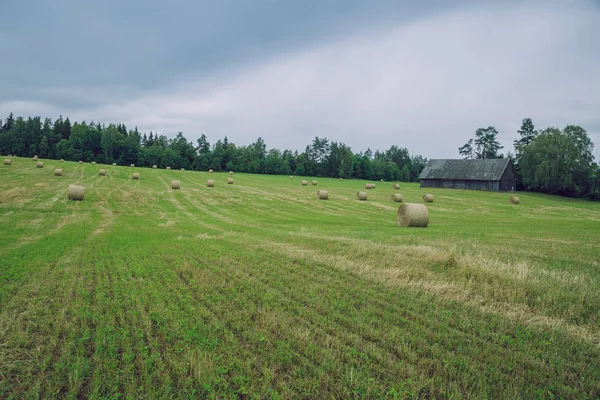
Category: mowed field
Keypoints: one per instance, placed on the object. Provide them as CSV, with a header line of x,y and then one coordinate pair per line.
x,y
261,290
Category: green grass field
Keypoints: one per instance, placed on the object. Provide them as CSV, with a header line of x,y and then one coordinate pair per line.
x,y
260,290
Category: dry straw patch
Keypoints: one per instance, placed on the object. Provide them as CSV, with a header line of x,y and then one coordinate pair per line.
x,y
413,215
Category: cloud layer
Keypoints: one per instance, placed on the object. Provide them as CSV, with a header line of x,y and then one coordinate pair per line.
x,y
425,82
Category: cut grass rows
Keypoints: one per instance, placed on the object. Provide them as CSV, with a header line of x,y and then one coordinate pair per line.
x,y
258,289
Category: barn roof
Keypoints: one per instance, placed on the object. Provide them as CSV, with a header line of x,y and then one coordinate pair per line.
x,y
476,170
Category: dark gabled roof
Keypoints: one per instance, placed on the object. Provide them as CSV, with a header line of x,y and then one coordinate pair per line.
x,y
476,170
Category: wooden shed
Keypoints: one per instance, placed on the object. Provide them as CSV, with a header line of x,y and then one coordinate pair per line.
x,y
493,174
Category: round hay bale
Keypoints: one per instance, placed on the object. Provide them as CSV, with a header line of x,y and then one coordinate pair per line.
x,y
93,162
168,167
102,172
7,161
396,186
291,177
230,172
136,176
154,167
10,155
114,164
397,197
323,194
40,164
58,172
210,171
175,185
515,200
183,169
62,160
132,165
413,215
369,186
428,198
35,158
80,162
304,183
381,180
341,179
361,196
210,183
230,181
314,183
75,192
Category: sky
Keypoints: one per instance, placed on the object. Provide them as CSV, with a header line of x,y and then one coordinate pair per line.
x,y
418,74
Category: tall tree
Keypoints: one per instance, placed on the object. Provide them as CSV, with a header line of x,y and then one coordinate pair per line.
x,y
527,133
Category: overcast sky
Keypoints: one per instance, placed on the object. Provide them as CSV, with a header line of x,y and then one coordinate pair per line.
x,y
422,75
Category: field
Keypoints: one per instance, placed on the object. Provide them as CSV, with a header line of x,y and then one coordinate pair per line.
x,y
261,290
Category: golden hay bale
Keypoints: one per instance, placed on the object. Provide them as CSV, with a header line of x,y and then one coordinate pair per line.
x,y
314,183
515,200
361,195
136,176
58,172
397,197
183,169
132,165
413,215
304,183
102,172
93,162
210,171
230,181
175,185
381,180
230,172
369,186
80,162
154,167
75,192
35,158
323,194
168,167
291,177
62,160
428,198
7,161
40,164
210,183
341,179
396,186
114,164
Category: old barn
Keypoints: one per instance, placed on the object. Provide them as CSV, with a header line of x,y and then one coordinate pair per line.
x,y
493,174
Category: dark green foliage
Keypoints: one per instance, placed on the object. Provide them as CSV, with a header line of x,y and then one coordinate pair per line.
x,y
114,143
484,146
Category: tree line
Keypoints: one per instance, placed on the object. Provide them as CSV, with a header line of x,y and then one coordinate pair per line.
x,y
551,160
115,143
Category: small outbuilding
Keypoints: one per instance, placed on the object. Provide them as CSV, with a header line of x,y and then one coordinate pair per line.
x,y
492,174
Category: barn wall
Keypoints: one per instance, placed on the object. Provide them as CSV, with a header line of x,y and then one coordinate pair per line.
x,y
509,179
460,184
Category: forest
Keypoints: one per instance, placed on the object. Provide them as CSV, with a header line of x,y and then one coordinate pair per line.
x,y
115,143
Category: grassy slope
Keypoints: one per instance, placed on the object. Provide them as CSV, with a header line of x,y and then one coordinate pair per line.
x,y
259,288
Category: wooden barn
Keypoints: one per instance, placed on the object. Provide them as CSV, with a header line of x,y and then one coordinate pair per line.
x,y
494,174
